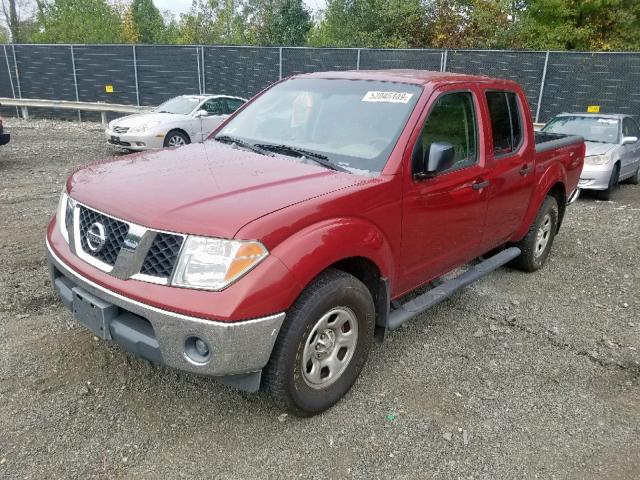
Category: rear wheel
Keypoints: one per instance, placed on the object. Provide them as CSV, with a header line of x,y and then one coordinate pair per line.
x,y
323,344
613,184
176,139
536,245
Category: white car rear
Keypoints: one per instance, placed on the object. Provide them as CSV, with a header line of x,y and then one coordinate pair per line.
x,y
181,120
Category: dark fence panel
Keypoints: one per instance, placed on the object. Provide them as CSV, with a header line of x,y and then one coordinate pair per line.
x,y
305,60
240,71
577,80
523,67
572,81
46,71
100,66
386,59
167,71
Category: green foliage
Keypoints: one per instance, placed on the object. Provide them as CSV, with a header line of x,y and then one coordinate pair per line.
x,y
531,24
371,23
279,22
77,21
148,21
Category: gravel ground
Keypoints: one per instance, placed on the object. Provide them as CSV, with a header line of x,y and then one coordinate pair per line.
x,y
520,375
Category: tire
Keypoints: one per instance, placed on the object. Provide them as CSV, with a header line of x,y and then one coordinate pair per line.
x,y
613,184
293,378
176,139
635,178
537,243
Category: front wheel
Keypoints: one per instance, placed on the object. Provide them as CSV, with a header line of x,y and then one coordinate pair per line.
x,y
175,139
323,344
613,184
536,245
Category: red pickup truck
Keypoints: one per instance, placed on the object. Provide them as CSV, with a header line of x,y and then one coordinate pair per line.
x,y
271,254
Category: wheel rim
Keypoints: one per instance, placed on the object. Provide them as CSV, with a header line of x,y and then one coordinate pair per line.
x,y
329,347
176,141
543,235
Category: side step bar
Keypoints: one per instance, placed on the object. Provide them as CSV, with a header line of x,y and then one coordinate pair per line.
x,y
414,307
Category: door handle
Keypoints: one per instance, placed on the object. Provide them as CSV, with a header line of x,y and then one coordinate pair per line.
x,y
525,170
480,184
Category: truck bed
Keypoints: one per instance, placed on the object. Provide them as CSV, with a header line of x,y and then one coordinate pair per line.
x,y
549,141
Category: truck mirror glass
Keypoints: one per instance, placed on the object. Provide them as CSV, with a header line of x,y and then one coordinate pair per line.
x,y
438,158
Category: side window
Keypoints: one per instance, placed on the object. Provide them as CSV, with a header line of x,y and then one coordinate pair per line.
x,y
214,107
233,104
506,124
630,128
452,120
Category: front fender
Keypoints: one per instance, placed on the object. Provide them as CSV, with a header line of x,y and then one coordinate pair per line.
x,y
552,175
316,247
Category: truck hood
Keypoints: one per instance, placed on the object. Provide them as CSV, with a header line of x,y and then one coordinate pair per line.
x,y
208,189
597,148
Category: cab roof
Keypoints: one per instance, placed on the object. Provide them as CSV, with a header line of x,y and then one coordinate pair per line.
x,y
418,77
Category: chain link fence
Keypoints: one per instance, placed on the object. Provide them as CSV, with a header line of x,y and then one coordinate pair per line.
x,y
554,82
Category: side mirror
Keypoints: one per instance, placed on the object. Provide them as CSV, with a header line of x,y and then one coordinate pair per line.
x,y
438,158
201,113
629,140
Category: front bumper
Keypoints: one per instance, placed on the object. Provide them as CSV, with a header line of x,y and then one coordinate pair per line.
x,y
595,177
135,141
236,349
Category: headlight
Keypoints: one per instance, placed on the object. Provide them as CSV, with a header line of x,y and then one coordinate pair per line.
x,y
597,159
214,263
64,216
144,127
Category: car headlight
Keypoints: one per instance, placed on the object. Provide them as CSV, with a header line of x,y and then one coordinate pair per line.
x,y
215,263
64,216
597,159
144,127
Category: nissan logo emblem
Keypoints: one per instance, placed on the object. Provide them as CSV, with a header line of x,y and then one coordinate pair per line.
x,y
96,237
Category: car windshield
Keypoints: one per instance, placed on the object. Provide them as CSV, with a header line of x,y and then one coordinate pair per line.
x,y
593,129
178,105
353,124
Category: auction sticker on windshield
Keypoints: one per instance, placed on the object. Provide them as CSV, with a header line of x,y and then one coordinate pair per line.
x,y
393,97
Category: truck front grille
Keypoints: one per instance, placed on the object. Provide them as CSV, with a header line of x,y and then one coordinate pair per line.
x,y
162,255
115,233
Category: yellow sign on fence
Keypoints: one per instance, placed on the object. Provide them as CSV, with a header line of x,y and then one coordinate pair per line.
x,y
593,109
109,89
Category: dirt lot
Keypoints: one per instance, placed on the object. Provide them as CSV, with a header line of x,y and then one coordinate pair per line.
x,y
534,376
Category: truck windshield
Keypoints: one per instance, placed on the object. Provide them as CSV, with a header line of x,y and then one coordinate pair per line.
x,y
178,105
593,129
353,124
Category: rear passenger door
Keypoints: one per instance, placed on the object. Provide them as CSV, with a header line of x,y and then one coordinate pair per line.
x,y
512,170
443,216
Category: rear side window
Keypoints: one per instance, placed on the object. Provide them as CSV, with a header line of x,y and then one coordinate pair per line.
x,y
452,120
233,104
506,125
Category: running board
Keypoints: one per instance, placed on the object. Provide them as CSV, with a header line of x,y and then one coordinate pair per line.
x,y
414,307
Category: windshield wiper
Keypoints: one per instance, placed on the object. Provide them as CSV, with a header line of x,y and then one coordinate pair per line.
x,y
242,143
316,157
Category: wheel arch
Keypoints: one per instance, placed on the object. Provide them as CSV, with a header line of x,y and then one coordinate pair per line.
x,y
178,129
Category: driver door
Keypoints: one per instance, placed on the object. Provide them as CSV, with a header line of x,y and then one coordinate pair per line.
x,y
444,216
217,113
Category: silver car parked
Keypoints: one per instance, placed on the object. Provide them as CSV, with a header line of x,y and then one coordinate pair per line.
x,y
613,149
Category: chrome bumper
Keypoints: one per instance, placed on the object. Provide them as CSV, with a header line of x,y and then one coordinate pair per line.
x,y
574,196
235,348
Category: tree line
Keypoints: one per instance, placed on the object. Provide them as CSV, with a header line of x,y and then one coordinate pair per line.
x,y
606,25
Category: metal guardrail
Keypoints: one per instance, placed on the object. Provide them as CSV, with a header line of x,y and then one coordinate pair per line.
x,y
103,108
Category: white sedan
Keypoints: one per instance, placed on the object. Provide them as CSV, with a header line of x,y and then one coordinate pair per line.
x,y
179,121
